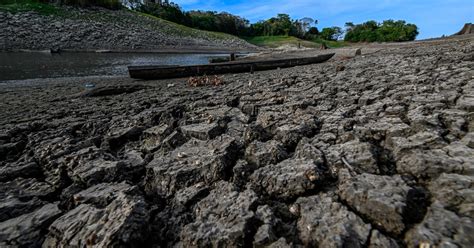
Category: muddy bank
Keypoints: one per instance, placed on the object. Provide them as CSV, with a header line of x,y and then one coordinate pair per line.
x,y
101,29
371,151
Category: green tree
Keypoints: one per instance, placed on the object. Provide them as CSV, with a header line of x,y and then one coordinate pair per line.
x,y
306,23
170,12
313,31
387,31
332,33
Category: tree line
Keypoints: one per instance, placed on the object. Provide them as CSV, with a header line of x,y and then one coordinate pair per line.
x,y
282,24
388,30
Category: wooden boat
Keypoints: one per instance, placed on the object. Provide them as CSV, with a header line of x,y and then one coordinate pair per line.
x,y
164,72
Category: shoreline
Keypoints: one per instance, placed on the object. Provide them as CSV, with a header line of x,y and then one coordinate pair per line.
x,y
157,51
103,29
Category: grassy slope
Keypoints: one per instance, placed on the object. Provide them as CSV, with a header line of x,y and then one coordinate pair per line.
x,y
179,29
276,41
122,16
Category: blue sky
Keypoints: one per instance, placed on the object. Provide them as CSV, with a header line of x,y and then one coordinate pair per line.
x,y
433,17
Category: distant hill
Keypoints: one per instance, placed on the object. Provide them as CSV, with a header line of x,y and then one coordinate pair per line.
x,y
467,29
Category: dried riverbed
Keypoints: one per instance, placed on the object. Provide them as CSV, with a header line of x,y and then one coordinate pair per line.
x,y
371,151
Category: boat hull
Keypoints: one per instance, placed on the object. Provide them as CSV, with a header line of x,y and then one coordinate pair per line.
x,y
165,72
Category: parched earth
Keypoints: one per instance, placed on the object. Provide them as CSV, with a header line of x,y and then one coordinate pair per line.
x,y
371,151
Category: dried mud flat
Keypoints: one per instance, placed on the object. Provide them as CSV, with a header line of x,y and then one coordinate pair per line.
x,y
371,151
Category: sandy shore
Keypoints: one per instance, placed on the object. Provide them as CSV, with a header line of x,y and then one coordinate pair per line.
x,y
368,151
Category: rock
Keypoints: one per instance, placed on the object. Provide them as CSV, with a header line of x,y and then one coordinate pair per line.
x,y
466,103
358,154
256,132
224,218
265,234
422,140
382,199
468,140
454,192
280,243
378,240
66,197
195,161
304,150
15,170
118,138
134,160
441,228
13,207
91,166
383,128
173,140
456,121
28,230
288,127
122,222
191,195
10,151
326,223
422,118
236,129
97,171
461,152
262,154
241,171
290,135
152,137
102,194
168,223
251,104
428,163
202,131
288,179
113,90
22,196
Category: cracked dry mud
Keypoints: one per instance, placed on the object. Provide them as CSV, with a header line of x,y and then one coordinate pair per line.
x,y
377,154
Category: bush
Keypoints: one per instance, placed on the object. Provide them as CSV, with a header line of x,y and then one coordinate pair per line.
x,y
170,12
332,33
219,22
282,24
387,31
313,31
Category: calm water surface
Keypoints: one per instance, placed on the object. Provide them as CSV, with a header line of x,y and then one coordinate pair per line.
x,y
15,66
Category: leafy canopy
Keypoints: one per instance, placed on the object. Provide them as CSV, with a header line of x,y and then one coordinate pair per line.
x,y
387,31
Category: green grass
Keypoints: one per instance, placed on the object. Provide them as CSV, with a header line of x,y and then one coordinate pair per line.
x,y
331,43
15,6
175,28
276,41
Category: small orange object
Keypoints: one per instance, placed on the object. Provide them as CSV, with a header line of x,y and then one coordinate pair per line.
x,y
205,81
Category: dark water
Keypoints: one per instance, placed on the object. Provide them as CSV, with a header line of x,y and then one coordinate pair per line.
x,y
15,66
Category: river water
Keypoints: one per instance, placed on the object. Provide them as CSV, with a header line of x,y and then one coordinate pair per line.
x,y
17,66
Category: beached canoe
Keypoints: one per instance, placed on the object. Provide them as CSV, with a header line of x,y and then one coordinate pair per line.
x,y
163,72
